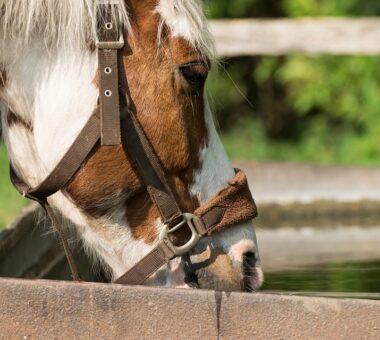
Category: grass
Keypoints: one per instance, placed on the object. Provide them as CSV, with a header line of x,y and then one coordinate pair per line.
x,y
10,200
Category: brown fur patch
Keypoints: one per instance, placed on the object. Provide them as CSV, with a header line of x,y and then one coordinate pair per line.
x,y
215,270
142,215
106,173
14,119
222,275
172,116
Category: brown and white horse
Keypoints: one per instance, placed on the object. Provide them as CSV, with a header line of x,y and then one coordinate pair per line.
x,y
49,88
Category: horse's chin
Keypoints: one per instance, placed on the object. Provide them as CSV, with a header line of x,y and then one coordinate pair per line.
x,y
251,283
172,276
238,283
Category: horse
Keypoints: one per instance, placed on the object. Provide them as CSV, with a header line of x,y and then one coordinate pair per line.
x,y
49,87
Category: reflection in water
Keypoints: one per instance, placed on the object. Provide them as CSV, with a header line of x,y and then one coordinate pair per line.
x,y
334,277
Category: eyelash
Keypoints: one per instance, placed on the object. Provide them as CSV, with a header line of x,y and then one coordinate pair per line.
x,y
194,78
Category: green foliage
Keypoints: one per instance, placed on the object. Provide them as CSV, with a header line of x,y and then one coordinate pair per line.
x,y
299,8
243,8
291,8
249,140
10,200
324,109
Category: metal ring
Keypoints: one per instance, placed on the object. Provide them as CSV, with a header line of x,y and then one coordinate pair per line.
x,y
108,70
108,93
108,25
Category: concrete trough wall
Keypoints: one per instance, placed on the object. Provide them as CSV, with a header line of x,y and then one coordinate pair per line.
x,y
61,310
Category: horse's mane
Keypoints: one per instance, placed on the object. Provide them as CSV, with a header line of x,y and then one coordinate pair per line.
x,y
65,23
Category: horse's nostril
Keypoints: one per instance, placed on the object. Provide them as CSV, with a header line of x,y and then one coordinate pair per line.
x,y
192,280
249,261
249,264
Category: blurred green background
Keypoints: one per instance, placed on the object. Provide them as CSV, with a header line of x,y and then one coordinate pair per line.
x,y
296,108
293,108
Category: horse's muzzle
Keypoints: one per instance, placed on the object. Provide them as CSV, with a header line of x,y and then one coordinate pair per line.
x,y
221,272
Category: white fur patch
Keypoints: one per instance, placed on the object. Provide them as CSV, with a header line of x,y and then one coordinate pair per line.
x,y
41,88
215,172
186,19
216,169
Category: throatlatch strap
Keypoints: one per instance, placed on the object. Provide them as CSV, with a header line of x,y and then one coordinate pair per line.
x,y
65,245
66,168
60,176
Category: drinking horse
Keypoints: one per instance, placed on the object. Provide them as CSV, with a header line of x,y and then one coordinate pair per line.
x,y
106,123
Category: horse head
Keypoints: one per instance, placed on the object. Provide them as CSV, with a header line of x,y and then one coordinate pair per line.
x,y
50,87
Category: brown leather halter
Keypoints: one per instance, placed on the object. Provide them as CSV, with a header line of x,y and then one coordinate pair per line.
x,y
115,124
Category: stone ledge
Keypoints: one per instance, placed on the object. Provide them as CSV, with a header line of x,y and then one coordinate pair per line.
x,y
51,309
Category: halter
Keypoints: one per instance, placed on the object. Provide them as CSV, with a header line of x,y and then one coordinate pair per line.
x,y
112,123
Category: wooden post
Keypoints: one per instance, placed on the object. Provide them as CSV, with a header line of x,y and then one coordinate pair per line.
x,y
334,36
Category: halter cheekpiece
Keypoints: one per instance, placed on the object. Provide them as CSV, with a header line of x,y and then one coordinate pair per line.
x,y
114,123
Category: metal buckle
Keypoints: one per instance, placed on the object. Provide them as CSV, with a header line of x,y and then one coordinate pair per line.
x,y
110,45
188,220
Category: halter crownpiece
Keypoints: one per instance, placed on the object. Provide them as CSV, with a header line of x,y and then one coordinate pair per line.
x,y
114,124
109,40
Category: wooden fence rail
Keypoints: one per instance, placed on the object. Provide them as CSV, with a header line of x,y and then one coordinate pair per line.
x,y
333,36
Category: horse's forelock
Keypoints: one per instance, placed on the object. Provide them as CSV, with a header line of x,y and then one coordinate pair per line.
x,y
60,22
187,20
67,23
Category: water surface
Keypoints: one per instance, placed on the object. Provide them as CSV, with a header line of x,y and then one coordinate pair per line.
x,y
357,277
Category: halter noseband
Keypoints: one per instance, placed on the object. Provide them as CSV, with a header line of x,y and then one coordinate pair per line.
x,y
232,205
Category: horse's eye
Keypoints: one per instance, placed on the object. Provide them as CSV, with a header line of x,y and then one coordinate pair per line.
x,y
195,73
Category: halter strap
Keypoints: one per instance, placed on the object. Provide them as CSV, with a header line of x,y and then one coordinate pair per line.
x,y
68,165
150,169
110,41
232,205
